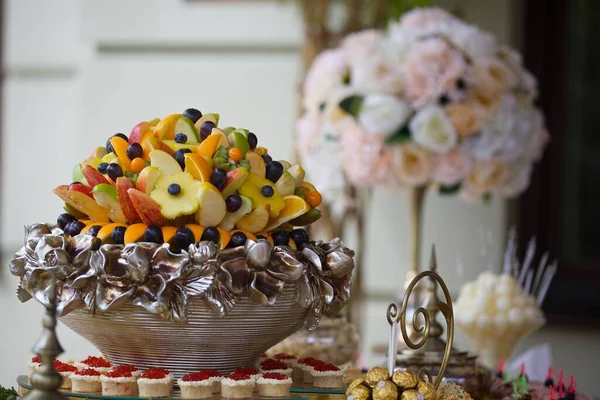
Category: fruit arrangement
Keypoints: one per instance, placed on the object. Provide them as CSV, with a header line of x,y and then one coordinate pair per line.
x,y
181,180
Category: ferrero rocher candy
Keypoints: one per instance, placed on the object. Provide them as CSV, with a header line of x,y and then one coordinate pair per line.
x,y
354,383
377,375
385,390
405,379
427,390
358,392
410,395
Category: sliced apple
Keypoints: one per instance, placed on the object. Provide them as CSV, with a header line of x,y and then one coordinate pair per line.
x,y
106,196
153,143
213,117
153,122
135,233
123,185
164,162
81,188
166,127
286,184
147,208
110,157
186,126
98,152
198,167
212,206
308,218
230,219
235,179
92,176
174,146
294,207
138,131
208,146
255,221
257,164
93,161
297,172
237,139
82,203
78,174
223,141
285,164
147,179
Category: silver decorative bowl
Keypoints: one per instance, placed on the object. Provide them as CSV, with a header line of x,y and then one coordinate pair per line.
x,y
131,335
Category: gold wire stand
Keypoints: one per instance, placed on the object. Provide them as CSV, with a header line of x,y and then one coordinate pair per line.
x,y
429,326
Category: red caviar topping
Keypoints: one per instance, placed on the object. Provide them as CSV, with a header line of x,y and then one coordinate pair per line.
x,y
326,367
236,376
269,365
155,373
283,356
96,362
119,373
275,375
36,359
213,372
196,376
264,355
62,367
88,372
309,361
246,370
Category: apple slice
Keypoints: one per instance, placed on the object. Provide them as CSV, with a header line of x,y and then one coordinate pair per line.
x,y
138,131
257,164
81,188
285,164
186,126
207,117
174,146
198,167
93,162
153,143
135,233
255,221
166,127
147,179
297,172
286,184
223,141
230,219
82,203
98,152
237,139
123,185
78,174
235,179
106,196
212,206
164,162
147,208
92,176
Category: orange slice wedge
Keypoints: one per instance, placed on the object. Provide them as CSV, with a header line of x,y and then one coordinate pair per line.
x,y
294,207
198,167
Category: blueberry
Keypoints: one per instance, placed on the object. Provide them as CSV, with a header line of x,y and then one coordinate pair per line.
x,y
299,236
134,151
211,234
274,171
267,191
109,148
180,157
218,178
114,171
267,158
206,129
73,228
153,234
280,238
94,230
252,140
192,114
102,167
64,220
118,235
237,239
181,138
174,189
233,202
184,237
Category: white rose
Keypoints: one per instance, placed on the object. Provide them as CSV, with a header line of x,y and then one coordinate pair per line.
x,y
325,74
383,114
517,179
431,129
377,73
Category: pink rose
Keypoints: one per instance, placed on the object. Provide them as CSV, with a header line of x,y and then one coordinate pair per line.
x,y
491,78
308,129
451,168
411,164
467,117
362,44
487,176
431,70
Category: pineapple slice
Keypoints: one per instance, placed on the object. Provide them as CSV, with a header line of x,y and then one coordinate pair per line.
x,y
177,195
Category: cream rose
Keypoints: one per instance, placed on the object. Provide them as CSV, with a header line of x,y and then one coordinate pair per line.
x,y
424,16
362,44
467,117
411,164
326,73
453,167
517,178
383,114
377,74
431,129
491,78
487,176
432,68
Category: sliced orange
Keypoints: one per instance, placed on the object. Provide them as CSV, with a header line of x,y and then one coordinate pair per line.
x,y
135,233
294,207
88,224
105,232
292,244
248,234
165,129
120,146
169,233
225,237
208,146
146,149
197,230
198,167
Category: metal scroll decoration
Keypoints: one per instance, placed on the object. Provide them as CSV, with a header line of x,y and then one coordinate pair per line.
x,y
102,278
423,328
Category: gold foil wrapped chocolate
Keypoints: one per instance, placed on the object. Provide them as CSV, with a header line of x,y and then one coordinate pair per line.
x,y
410,395
356,382
427,390
385,390
358,392
377,375
405,379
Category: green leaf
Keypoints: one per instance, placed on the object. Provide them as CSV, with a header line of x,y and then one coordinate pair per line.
x,y
352,105
449,190
487,199
400,136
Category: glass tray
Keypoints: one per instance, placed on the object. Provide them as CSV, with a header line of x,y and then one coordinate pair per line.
x,y
296,392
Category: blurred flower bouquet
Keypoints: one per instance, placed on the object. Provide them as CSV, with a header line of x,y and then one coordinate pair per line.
x,y
431,101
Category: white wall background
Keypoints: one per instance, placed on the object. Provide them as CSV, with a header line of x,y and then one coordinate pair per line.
x,y
79,71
